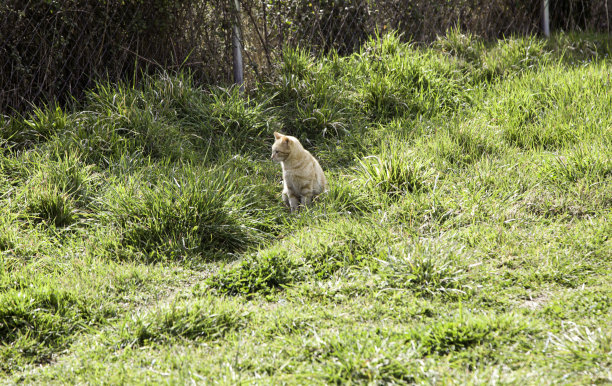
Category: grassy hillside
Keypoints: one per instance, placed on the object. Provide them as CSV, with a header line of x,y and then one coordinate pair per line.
x,y
465,237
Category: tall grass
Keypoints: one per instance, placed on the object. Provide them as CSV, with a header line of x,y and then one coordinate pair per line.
x,y
464,237
184,212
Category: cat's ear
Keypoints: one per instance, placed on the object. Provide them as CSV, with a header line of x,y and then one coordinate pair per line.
x,y
277,135
286,140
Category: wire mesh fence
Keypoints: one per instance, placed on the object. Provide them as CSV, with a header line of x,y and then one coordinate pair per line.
x,y
55,50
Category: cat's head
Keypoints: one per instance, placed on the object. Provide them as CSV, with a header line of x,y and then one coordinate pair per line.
x,y
281,149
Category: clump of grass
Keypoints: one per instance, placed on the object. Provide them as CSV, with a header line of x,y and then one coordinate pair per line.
x,y
425,271
584,347
475,142
542,110
485,62
579,48
394,172
236,119
346,196
585,162
311,106
98,137
184,213
459,44
39,126
71,175
8,232
407,82
512,56
200,320
470,331
127,119
460,143
52,206
166,116
37,321
59,189
523,117
356,355
318,256
173,95
298,62
384,98
446,150
425,213
348,245
388,44
263,272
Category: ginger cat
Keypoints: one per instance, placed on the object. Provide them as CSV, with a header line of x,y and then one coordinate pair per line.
x,y
303,177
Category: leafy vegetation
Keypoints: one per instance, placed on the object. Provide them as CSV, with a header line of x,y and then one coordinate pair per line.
x,y
465,237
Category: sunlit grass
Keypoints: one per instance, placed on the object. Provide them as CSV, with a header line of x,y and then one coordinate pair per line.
x,y
464,238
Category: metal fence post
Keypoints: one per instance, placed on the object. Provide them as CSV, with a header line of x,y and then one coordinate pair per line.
x,y
237,48
546,17
607,17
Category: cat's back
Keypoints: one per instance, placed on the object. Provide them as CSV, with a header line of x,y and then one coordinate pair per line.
x,y
305,170
315,173
319,176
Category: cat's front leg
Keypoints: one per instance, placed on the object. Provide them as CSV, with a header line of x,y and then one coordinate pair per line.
x,y
293,203
290,200
306,200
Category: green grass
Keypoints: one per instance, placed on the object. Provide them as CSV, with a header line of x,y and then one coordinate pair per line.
x,y
465,236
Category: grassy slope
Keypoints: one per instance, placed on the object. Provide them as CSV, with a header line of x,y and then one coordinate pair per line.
x,y
465,238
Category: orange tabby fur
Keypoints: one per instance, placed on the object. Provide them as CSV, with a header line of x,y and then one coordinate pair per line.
x,y
303,177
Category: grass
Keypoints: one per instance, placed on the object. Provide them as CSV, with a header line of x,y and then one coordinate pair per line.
x,y
464,237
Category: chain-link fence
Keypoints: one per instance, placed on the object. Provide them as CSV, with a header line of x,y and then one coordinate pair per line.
x,y
53,50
